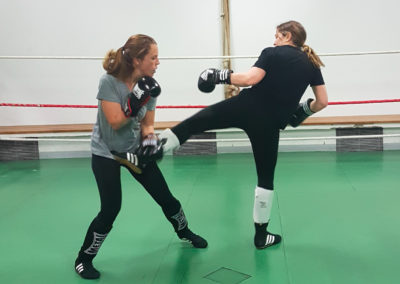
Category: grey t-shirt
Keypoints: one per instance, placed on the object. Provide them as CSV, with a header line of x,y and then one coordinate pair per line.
x,y
126,138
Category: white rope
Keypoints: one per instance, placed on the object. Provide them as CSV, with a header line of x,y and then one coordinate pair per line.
x,y
299,138
196,57
213,140
52,57
53,135
43,139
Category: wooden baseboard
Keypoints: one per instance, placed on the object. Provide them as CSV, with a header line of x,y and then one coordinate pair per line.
x,y
355,119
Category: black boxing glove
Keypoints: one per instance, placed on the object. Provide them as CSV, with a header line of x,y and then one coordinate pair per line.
x,y
151,149
151,85
302,112
210,77
145,88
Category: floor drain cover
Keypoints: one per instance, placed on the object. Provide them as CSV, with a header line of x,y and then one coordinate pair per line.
x,y
227,276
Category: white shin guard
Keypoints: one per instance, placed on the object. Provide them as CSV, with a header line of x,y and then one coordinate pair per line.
x,y
172,141
262,205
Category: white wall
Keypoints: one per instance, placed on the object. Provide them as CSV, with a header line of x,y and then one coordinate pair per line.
x,y
332,27
186,28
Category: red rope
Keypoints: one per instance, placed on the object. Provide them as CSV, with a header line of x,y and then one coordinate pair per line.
x,y
187,106
365,102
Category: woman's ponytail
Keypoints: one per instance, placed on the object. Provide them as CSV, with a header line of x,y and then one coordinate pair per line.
x,y
314,58
112,61
299,37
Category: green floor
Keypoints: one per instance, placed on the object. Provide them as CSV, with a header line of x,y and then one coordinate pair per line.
x,y
338,214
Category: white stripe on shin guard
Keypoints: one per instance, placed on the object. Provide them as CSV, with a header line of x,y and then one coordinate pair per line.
x,y
262,205
172,141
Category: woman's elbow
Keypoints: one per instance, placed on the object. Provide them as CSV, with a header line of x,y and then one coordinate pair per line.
x,y
116,123
321,100
323,103
115,126
319,104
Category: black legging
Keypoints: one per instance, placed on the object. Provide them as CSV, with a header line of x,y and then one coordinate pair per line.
x,y
107,173
246,112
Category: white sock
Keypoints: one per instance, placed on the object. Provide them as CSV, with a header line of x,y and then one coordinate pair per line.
x,y
172,140
262,205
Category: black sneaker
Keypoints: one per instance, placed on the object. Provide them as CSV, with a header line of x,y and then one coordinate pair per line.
x,y
86,270
188,236
267,240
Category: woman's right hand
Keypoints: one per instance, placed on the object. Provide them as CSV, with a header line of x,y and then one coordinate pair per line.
x,y
151,149
145,88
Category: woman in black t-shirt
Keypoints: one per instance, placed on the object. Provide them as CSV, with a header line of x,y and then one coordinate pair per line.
x,y
278,80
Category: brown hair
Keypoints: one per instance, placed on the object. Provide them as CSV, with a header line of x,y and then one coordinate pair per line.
x,y
119,62
299,36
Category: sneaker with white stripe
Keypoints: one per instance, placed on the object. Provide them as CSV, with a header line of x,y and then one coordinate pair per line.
x,y
263,238
269,240
86,270
188,236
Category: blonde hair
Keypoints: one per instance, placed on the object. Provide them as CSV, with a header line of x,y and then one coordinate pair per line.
x,y
299,37
119,62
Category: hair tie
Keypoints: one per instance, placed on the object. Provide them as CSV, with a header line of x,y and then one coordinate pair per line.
x,y
126,55
110,63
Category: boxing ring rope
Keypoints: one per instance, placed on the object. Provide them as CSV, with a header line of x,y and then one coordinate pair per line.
x,y
195,106
186,58
27,138
184,106
213,140
198,140
194,57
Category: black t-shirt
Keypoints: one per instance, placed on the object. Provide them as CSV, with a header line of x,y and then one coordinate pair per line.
x,y
288,74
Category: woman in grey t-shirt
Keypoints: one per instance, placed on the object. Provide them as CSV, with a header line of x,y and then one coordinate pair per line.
x,y
125,122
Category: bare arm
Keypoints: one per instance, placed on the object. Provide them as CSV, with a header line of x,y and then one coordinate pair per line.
x,y
321,98
249,78
147,123
114,114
